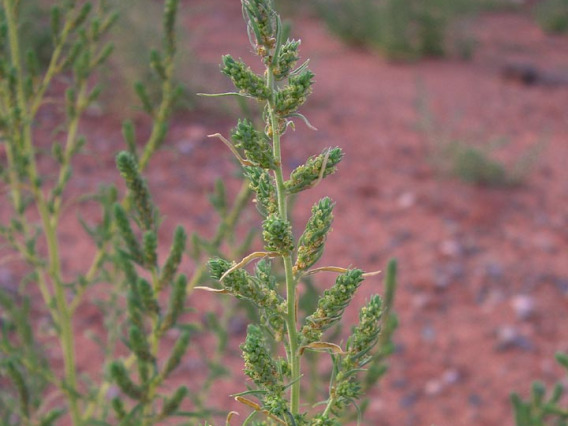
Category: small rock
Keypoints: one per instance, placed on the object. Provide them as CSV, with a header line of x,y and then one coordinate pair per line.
x,y
433,387
509,337
451,376
524,306
428,333
406,200
409,399
451,248
474,400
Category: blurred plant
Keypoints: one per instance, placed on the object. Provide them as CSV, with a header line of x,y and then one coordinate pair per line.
x,y
552,16
539,410
137,31
473,163
35,390
400,29
283,88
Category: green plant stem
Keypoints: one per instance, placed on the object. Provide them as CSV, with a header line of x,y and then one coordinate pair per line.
x,y
292,311
63,317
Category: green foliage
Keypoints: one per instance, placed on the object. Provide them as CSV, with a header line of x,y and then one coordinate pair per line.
x,y
478,165
399,29
282,90
540,410
135,306
552,16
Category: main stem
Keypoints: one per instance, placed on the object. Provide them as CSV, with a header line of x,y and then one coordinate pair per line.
x,y
292,314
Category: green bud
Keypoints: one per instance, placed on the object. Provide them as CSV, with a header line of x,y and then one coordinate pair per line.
x,y
262,23
81,16
287,59
52,416
256,144
170,13
150,242
123,224
308,174
128,168
259,362
33,63
70,103
176,303
295,94
178,351
174,258
331,305
244,79
55,22
20,385
263,185
157,64
139,344
134,308
103,55
142,93
129,135
562,359
147,297
118,407
120,376
311,243
277,234
172,404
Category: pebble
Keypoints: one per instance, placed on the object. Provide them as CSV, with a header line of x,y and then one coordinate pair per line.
x,y
509,337
524,306
406,200
451,248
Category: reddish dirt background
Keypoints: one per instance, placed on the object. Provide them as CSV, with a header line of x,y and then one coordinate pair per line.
x,y
471,259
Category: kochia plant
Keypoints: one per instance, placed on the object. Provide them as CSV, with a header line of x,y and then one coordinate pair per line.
x,y
283,89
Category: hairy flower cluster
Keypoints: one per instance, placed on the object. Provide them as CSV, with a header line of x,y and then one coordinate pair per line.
x,y
262,184
291,97
277,234
331,305
362,340
259,362
287,60
255,144
244,79
365,335
312,241
262,23
307,174
243,285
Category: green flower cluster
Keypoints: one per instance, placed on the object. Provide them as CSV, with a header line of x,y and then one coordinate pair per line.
x,y
307,174
263,185
364,337
256,144
259,362
244,78
295,94
288,58
311,243
331,305
277,234
245,286
262,22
